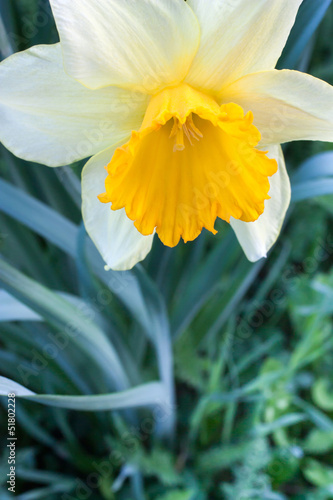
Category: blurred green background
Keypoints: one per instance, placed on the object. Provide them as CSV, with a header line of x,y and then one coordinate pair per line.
x,y
224,369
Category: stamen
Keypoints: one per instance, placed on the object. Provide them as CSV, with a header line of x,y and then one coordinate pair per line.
x,y
195,132
187,133
188,128
179,141
174,128
177,132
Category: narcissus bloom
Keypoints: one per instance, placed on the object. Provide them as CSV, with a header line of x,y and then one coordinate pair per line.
x,y
180,102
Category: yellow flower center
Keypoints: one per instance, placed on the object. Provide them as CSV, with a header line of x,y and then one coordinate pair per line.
x,y
191,162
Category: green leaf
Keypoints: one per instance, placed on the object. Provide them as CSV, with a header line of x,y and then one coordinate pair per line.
x,y
311,189
314,178
42,493
322,394
73,322
285,421
309,17
11,309
203,283
317,473
318,442
38,217
177,495
159,334
160,464
320,165
152,394
222,457
134,289
321,420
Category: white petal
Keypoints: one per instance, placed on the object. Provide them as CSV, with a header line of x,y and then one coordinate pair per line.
x,y
287,105
142,45
50,118
114,234
239,37
256,238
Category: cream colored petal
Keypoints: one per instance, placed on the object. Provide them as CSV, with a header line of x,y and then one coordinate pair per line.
x,y
256,238
239,37
137,44
118,241
287,105
50,118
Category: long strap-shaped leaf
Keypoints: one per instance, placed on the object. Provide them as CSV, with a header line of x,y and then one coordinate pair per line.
x,y
12,309
314,177
64,315
152,394
316,167
312,188
64,234
309,18
146,306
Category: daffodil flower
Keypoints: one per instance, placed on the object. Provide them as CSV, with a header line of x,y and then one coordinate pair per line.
x,y
179,106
